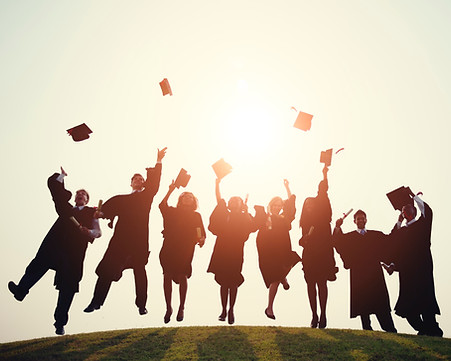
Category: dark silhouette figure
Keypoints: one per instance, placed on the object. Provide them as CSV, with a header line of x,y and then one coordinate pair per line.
x,y
275,255
63,249
183,229
129,246
232,225
411,245
318,254
362,251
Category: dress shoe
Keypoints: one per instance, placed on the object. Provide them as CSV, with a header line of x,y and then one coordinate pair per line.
x,y
322,322
14,289
91,308
59,330
231,317
222,316
314,323
167,316
180,316
142,311
271,316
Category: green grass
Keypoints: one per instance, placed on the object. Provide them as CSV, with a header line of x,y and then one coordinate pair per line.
x,y
230,343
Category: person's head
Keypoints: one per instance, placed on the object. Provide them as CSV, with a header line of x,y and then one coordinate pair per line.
x,y
323,187
137,183
235,204
409,212
81,198
187,200
360,219
275,205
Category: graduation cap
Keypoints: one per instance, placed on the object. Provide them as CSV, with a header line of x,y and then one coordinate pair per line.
x,y
400,197
303,121
80,132
221,168
182,179
165,87
326,157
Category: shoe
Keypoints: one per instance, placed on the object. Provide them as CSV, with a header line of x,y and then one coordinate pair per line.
x,y
222,316
322,322
91,308
231,317
167,316
14,289
59,330
285,284
272,317
314,323
142,311
180,315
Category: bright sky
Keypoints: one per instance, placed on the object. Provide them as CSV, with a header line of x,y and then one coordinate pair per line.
x,y
375,75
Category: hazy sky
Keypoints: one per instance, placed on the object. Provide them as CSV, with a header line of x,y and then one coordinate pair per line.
x,y
375,75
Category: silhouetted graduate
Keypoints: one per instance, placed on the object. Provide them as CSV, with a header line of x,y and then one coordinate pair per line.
x,y
232,224
411,245
362,252
183,229
63,249
129,246
318,254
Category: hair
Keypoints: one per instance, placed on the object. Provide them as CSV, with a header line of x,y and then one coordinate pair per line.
x,y
83,190
272,201
236,197
195,203
359,212
136,175
410,208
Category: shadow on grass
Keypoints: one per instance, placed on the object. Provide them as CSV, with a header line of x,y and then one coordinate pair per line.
x,y
305,344
228,343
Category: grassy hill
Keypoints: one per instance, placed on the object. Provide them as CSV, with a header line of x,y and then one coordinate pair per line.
x,y
230,343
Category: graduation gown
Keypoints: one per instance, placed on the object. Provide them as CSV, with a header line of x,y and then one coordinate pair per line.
x,y
275,255
129,246
412,256
180,236
362,255
232,231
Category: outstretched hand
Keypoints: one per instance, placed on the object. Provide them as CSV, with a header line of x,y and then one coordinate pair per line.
x,y
339,222
325,170
401,217
172,186
63,172
161,153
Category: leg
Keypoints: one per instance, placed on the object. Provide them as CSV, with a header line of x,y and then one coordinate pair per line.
x,y
322,293
140,288
33,273
100,292
231,315
431,327
311,291
416,322
61,314
386,322
366,322
183,288
167,287
273,287
224,292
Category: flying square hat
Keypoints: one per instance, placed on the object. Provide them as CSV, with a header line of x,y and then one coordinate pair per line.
x,y
182,179
221,168
326,157
80,132
400,197
303,121
165,87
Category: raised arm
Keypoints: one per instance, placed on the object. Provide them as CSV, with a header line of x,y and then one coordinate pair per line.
x,y
164,201
217,191
287,187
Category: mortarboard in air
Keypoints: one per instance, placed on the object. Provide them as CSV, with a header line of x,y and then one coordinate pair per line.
x,y
80,132
303,121
326,157
165,87
221,168
182,179
400,197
